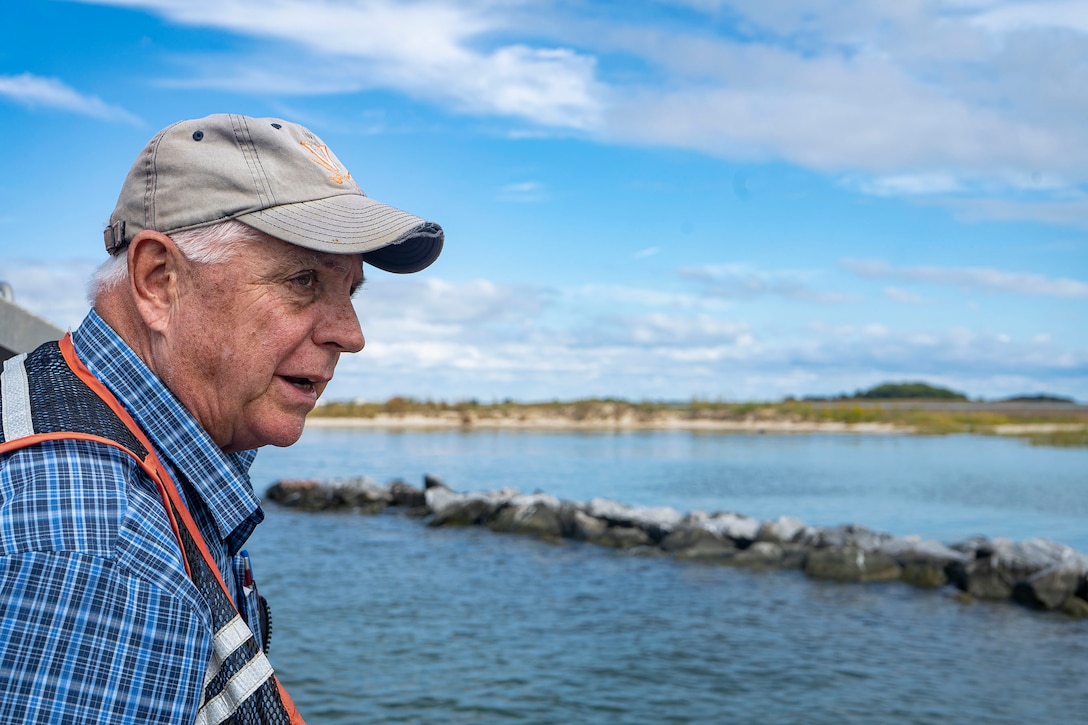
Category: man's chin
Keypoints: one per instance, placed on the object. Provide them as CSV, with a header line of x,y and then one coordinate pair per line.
x,y
284,430
288,433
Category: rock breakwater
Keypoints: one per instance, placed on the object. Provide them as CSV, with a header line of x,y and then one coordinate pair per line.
x,y
1037,573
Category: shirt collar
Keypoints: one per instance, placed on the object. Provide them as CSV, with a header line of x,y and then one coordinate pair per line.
x,y
220,479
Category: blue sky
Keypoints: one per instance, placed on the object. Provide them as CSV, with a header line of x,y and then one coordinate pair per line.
x,y
651,200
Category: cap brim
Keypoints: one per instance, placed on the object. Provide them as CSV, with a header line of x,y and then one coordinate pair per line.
x,y
388,238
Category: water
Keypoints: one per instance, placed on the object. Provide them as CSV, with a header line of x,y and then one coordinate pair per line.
x,y
383,620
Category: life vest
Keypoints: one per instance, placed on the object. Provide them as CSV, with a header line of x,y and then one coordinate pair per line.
x,y
48,395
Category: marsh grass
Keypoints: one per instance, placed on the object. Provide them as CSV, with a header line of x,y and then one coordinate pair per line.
x,y
927,417
1061,439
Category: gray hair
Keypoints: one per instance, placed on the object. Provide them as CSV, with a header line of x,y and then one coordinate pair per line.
x,y
206,245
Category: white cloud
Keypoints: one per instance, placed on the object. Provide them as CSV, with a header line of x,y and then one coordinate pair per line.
x,y
910,184
523,191
1061,15
914,98
660,356
527,343
900,89
398,307
738,281
37,92
857,112
616,296
972,278
429,337
429,50
961,358
657,328
900,295
1069,212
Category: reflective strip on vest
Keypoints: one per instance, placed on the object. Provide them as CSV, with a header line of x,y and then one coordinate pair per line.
x,y
15,391
245,682
229,638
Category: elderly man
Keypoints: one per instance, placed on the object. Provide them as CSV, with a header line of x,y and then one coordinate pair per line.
x,y
125,596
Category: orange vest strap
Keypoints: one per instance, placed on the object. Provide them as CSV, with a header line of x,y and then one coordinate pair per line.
x,y
168,490
289,704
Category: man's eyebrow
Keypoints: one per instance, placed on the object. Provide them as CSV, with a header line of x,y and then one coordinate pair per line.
x,y
338,265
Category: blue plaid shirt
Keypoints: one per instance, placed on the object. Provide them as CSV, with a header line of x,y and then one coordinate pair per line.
x,y
99,622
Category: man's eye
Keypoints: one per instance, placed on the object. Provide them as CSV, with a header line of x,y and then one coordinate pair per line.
x,y
306,279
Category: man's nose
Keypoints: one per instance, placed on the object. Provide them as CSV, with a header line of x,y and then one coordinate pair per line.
x,y
340,328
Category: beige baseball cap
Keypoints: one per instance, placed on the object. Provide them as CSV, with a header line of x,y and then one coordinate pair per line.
x,y
275,176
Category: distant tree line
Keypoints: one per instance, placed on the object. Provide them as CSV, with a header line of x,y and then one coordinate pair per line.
x,y
924,391
1042,398
909,390
898,391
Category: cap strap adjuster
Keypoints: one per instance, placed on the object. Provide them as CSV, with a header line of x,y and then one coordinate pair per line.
x,y
114,236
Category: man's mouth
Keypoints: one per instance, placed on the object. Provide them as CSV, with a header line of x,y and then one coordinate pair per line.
x,y
301,383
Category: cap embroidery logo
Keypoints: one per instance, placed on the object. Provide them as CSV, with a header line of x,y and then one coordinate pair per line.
x,y
324,158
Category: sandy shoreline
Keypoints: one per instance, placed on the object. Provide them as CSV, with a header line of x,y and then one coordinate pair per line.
x,y
452,419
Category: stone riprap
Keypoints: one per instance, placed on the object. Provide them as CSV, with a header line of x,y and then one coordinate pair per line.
x,y
1036,573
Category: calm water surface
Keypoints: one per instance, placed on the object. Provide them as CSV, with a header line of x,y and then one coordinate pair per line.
x,y
382,620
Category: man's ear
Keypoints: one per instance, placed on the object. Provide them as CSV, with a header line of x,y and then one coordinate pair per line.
x,y
154,267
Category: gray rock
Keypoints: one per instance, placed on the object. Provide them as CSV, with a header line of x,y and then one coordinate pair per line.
x,y
1001,564
579,525
1075,607
405,495
694,518
697,543
760,555
741,529
915,550
438,498
1047,589
794,556
1039,554
655,521
783,530
976,547
468,512
363,493
449,508
297,493
926,563
432,481
924,575
535,515
623,537
983,579
851,564
851,535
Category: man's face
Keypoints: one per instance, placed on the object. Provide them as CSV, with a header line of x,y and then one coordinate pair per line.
x,y
254,341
